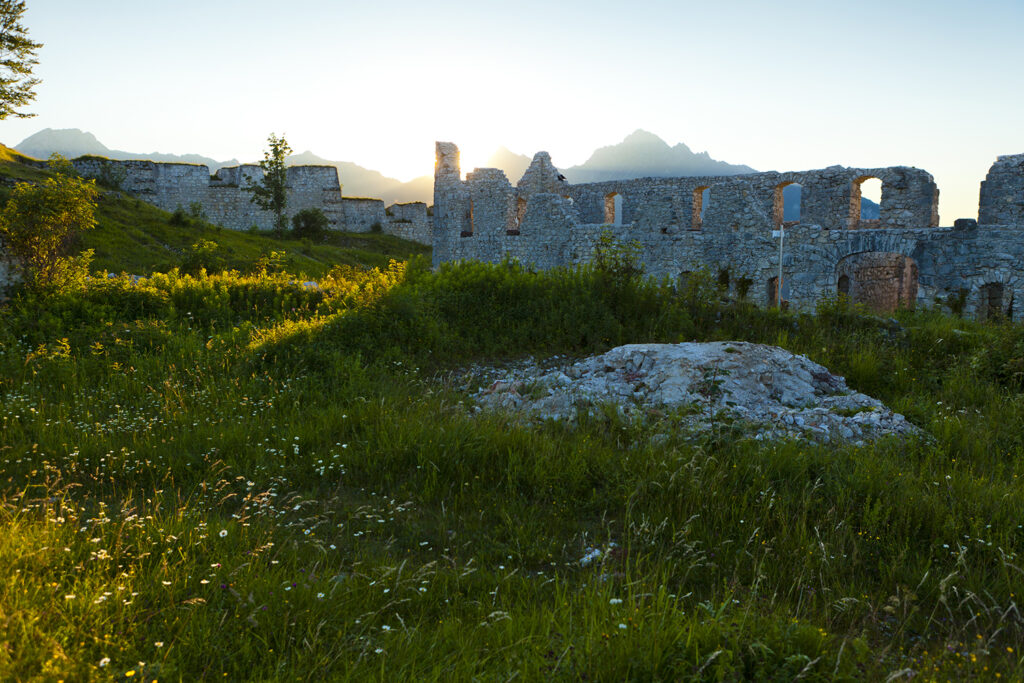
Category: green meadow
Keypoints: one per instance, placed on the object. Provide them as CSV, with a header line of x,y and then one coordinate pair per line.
x,y
220,471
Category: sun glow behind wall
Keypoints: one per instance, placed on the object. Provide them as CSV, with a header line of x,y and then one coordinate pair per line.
x,y
799,86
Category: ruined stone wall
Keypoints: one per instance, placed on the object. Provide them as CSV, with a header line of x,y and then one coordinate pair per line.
x,y
1002,192
222,198
900,260
409,221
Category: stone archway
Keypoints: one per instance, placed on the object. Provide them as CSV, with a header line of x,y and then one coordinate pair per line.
x,y
882,281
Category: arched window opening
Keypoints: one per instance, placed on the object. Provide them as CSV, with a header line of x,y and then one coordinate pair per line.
x,y
865,202
844,285
701,199
991,301
786,204
613,208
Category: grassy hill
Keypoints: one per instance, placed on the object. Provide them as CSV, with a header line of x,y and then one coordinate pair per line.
x,y
236,477
135,237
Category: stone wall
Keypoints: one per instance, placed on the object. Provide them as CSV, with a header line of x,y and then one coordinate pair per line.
x,y
223,199
409,221
902,259
1002,192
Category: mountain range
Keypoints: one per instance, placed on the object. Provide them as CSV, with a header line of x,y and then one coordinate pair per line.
x,y
639,155
73,143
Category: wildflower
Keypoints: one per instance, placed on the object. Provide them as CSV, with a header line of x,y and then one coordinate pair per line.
x,y
320,596
379,650
104,662
223,533
69,597
159,643
129,673
622,626
615,601
385,627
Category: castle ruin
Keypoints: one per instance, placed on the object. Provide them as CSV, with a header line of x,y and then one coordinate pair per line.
x,y
730,225
223,199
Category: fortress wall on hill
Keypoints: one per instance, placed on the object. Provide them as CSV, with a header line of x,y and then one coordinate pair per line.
x,y
729,225
224,200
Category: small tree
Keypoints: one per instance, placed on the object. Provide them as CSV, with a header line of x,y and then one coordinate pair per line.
x,y
271,193
17,57
39,225
310,223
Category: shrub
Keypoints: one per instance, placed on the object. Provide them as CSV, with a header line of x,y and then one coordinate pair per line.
x,y
616,258
39,224
310,224
195,209
179,218
111,176
203,255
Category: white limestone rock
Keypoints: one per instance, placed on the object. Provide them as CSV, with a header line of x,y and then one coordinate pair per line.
x,y
768,389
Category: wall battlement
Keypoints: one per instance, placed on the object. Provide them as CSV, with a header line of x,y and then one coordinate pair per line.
x,y
224,200
726,224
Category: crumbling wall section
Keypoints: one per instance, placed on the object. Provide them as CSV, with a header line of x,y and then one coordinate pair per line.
x,y
223,199
1001,199
362,214
898,260
409,221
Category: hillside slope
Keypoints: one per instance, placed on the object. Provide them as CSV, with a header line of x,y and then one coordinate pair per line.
x,y
136,237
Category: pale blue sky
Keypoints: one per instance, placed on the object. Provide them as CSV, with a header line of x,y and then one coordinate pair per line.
x,y
800,85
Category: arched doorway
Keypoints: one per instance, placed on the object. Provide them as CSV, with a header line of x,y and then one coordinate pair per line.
x,y
880,280
991,305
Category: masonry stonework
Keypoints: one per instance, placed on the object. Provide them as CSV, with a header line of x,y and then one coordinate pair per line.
x,y
224,200
902,259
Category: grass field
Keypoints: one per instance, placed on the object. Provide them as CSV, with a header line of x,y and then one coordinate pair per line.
x,y
237,477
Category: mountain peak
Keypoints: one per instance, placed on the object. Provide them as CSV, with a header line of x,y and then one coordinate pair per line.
x,y
644,154
642,136
70,142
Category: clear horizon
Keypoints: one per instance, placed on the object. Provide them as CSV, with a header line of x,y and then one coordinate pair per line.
x,y
933,85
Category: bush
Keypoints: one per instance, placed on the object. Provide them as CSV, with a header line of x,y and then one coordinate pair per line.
x,y
617,259
40,223
310,224
203,255
179,218
195,209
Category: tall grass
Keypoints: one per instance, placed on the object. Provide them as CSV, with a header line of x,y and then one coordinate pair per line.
x,y
246,478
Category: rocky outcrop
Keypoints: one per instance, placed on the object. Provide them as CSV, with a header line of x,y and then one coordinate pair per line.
x,y
765,390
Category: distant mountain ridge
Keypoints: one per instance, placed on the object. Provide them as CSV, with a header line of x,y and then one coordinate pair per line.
x,y
72,142
640,155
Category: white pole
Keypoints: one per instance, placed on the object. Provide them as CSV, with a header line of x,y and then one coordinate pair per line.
x,y
782,237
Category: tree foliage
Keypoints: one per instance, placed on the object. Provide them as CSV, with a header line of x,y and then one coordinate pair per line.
x,y
39,224
17,57
310,223
271,193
